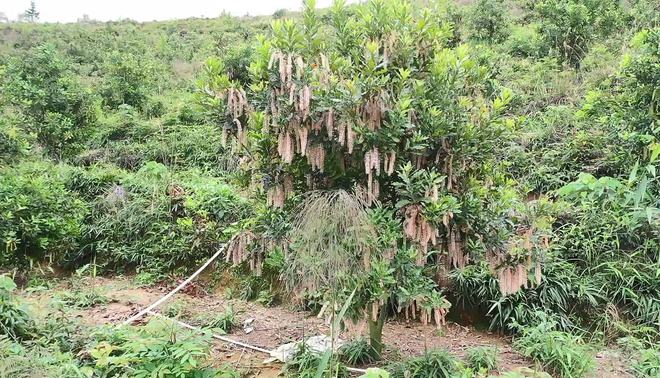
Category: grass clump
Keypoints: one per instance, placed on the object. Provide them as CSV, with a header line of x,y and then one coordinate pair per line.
x,y
560,353
436,363
647,363
358,352
226,321
80,298
524,373
306,363
482,358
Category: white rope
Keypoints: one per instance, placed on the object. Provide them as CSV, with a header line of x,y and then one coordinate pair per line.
x,y
149,310
222,338
176,289
228,340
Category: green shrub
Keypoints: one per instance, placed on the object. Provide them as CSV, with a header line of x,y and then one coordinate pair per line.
x,y
153,108
559,353
489,20
615,246
127,79
158,220
152,350
40,216
482,358
15,322
14,143
524,373
437,363
82,298
525,41
560,290
647,363
375,373
566,27
19,360
54,105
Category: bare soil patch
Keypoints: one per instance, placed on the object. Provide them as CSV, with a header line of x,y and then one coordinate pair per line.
x,y
274,326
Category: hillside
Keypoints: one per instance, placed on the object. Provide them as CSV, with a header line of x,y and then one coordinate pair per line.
x,y
479,176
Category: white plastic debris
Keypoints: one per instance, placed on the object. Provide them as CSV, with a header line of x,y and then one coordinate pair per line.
x,y
317,344
247,325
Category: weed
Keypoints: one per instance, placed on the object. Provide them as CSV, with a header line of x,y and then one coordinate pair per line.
x,y
647,363
525,373
15,322
225,322
482,358
82,298
306,362
375,373
266,297
148,278
149,351
437,363
558,352
358,352
175,309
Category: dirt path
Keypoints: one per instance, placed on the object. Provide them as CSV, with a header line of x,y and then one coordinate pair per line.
x,y
274,326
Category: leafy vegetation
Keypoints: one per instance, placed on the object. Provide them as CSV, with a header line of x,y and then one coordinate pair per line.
x,y
437,363
482,358
495,162
150,351
558,352
225,321
358,352
14,320
307,363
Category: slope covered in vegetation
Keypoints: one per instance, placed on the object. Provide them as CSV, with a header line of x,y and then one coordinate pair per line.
x,y
490,162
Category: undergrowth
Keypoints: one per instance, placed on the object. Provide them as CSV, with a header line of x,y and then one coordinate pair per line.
x,y
436,363
358,352
482,358
226,321
560,353
306,363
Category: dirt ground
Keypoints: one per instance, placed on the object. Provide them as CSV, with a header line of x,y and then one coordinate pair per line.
x,y
274,326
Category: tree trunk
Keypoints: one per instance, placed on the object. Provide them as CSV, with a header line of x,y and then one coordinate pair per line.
x,y
376,330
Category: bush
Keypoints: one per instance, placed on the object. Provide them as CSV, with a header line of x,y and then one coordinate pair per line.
x,y
558,352
51,100
158,220
15,322
489,20
524,373
40,216
152,350
82,298
438,363
560,292
127,79
624,111
525,41
566,27
14,143
19,360
482,358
